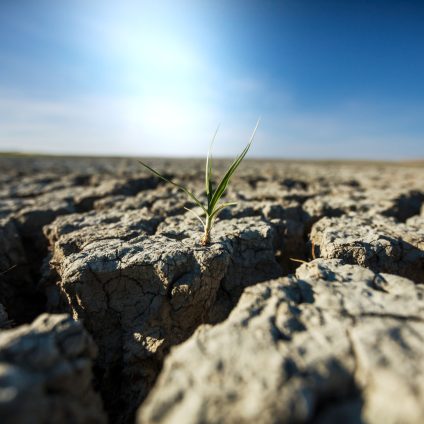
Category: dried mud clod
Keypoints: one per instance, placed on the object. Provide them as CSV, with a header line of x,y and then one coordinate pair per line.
x,y
140,296
377,243
45,373
335,342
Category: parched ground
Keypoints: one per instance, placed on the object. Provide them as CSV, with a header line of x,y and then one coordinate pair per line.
x,y
308,306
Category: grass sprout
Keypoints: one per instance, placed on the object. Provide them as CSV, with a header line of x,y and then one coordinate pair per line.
x,y
213,205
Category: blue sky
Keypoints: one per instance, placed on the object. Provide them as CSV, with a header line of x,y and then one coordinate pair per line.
x,y
330,79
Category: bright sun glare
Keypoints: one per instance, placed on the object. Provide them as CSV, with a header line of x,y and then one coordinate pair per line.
x,y
162,72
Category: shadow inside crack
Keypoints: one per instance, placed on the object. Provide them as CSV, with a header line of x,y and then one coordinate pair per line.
x,y
406,206
335,410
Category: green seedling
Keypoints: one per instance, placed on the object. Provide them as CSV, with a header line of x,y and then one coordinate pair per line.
x,y
213,207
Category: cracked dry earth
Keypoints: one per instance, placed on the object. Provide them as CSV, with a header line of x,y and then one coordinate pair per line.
x,y
112,311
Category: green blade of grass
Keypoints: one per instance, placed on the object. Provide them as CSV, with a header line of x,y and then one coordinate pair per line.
x,y
196,215
189,193
220,207
226,179
208,171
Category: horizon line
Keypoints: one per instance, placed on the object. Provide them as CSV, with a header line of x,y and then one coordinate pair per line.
x,y
27,154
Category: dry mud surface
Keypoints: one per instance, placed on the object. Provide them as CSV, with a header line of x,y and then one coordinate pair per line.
x,y
307,307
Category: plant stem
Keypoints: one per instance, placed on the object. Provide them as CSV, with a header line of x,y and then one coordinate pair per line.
x,y
207,234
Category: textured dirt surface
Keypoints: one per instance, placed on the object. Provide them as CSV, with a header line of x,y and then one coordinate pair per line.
x,y
45,373
334,341
232,332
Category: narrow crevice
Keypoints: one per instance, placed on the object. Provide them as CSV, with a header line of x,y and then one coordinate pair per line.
x,y
24,299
